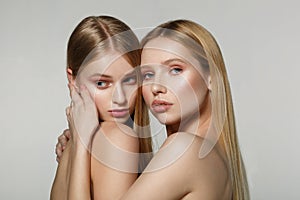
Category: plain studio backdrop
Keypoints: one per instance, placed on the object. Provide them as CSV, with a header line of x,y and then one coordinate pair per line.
x,y
260,43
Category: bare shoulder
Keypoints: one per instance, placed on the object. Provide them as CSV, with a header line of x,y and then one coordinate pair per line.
x,y
119,135
179,156
115,146
114,149
114,160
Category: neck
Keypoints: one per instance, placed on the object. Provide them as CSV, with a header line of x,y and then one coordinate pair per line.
x,y
197,123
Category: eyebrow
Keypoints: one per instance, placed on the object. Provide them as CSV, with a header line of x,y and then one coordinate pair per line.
x,y
167,62
101,75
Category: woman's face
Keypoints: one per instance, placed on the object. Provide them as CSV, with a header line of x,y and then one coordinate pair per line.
x,y
174,83
112,82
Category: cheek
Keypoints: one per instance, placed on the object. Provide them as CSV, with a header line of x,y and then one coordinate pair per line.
x,y
130,92
200,89
132,100
189,92
102,101
146,92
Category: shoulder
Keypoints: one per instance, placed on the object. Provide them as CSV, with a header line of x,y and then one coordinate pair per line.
x,y
179,155
117,134
114,160
116,147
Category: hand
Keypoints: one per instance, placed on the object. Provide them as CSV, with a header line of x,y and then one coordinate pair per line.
x,y
62,141
82,116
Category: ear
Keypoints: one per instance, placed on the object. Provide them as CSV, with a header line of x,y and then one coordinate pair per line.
x,y
209,83
70,75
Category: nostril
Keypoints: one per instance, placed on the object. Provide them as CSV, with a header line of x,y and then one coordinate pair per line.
x,y
158,88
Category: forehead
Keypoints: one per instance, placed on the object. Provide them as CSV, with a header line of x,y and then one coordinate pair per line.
x,y
112,64
160,49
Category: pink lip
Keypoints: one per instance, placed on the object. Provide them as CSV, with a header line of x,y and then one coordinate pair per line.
x,y
119,113
160,106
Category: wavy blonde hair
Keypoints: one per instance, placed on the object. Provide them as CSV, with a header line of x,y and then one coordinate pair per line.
x,y
205,49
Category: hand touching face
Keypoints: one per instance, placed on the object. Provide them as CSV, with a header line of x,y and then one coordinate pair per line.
x,y
112,82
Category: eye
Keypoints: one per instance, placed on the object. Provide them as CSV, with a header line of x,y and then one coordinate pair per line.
x,y
148,75
103,84
175,71
130,80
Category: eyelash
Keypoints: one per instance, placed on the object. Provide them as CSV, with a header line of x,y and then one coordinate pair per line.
x,y
107,84
130,80
173,71
147,74
178,70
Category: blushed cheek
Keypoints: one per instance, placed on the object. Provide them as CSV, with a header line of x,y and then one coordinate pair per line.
x,y
186,96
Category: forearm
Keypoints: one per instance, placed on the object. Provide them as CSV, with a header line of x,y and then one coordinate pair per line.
x,y
79,182
60,184
72,180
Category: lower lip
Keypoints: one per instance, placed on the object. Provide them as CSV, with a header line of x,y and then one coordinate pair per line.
x,y
161,108
119,114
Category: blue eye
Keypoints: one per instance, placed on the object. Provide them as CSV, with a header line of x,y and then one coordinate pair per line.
x,y
130,80
148,75
103,84
175,71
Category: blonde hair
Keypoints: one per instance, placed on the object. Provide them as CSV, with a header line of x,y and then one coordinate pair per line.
x,y
208,53
96,35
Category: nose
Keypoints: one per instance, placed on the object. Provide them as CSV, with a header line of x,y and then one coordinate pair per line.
x,y
158,88
118,96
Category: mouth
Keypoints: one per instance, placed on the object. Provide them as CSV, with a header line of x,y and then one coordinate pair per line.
x,y
160,106
119,113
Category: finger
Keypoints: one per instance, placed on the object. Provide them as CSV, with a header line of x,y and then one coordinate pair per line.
x,y
68,110
76,98
86,97
62,140
67,133
58,151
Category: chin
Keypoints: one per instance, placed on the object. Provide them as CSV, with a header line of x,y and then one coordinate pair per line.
x,y
167,120
121,120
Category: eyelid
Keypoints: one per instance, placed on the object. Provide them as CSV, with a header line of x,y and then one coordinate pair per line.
x,y
176,67
128,79
107,84
147,73
129,76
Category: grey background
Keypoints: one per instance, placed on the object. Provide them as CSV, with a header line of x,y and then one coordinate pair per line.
x,y
260,43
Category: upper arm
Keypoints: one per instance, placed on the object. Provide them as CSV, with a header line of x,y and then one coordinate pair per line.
x,y
176,171
114,161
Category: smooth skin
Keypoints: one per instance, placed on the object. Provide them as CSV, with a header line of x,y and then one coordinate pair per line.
x,y
175,172
100,83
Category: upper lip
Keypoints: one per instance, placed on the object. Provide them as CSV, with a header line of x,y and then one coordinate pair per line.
x,y
160,102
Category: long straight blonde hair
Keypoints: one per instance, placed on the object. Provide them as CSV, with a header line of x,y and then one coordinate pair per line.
x,y
208,53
